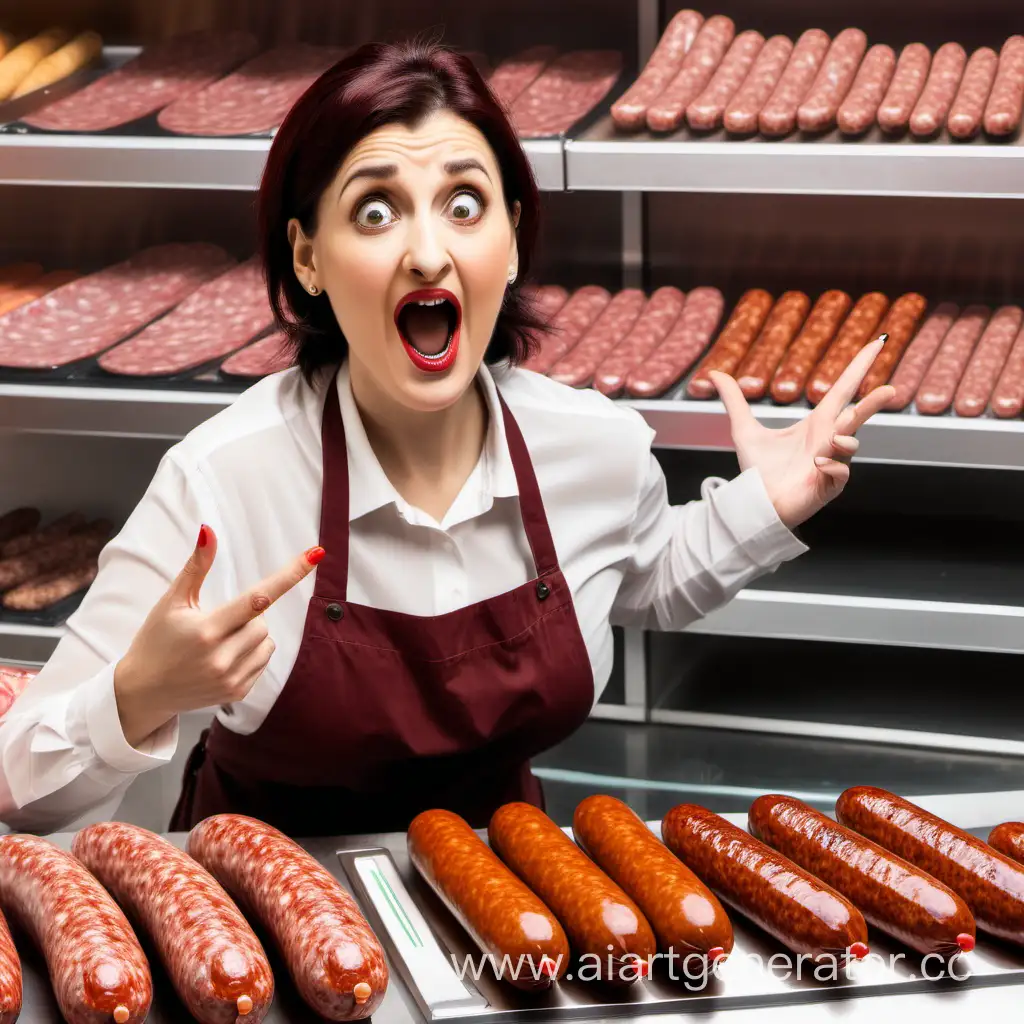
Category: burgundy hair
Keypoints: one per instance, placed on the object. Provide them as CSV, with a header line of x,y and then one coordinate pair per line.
x,y
376,85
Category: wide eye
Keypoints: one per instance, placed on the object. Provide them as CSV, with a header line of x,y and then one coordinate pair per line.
x,y
374,213
465,207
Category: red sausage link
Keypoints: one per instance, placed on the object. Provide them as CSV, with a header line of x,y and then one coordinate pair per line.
x,y
907,83
991,884
810,345
630,111
215,961
98,970
987,362
1008,397
733,343
686,916
900,323
602,922
334,958
894,896
1008,839
502,916
660,313
666,113
1003,110
10,977
860,108
918,357
969,106
818,111
689,337
569,324
705,113
802,912
939,91
779,114
760,363
741,113
939,386
857,330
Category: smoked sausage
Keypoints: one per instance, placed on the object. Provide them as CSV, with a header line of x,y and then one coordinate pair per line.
x,y
760,363
919,355
1008,396
778,116
1008,839
334,958
894,896
987,362
705,113
802,912
741,113
939,386
686,916
905,89
502,916
817,112
857,330
968,108
46,590
939,91
991,884
900,324
602,922
810,345
860,108
214,960
1005,102
733,343
98,970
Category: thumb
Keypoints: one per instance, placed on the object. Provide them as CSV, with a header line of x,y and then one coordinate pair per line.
x,y
191,578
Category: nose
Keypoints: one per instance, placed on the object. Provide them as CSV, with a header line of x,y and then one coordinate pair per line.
x,y
426,256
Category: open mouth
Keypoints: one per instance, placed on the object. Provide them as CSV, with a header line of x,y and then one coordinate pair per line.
x,y
429,323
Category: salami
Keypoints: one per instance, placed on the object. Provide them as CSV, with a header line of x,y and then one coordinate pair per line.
x,y
969,106
1008,396
578,366
653,326
860,108
817,112
1003,110
688,338
18,522
566,90
987,362
741,113
629,112
89,315
666,113
705,113
568,326
857,330
13,680
255,98
760,363
162,73
218,317
810,345
268,355
905,88
514,76
733,343
940,90
939,386
57,530
900,323
778,116
46,590
918,357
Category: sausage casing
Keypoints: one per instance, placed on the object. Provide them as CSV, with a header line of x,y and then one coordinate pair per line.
x,y
860,107
919,355
741,113
1008,839
760,363
964,121
733,343
932,108
817,112
778,115
1006,101
810,345
900,324
10,976
857,330
905,88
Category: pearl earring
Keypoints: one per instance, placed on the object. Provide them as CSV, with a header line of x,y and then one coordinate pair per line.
x,y
313,289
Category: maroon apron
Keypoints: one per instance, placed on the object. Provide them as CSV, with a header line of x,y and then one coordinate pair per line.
x,y
387,714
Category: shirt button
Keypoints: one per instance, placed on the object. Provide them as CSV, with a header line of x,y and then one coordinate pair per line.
x,y
334,612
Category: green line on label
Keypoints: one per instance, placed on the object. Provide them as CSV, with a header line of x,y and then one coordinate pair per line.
x,y
403,919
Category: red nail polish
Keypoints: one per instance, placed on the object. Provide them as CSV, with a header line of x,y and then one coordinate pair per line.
x,y
204,536
315,555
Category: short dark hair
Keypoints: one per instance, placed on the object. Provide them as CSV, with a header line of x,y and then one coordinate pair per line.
x,y
381,84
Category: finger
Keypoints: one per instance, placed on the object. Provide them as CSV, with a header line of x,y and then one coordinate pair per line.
x,y
736,406
838,473
233,615
844,445
188,583
843,391
254,665
855,416
244,641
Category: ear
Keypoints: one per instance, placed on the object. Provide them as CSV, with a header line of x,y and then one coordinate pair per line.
x,y
302,254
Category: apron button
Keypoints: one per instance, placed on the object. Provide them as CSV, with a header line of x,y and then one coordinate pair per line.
x,y
334,612
542,590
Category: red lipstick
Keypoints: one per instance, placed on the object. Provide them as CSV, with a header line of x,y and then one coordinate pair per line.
x,y
446,357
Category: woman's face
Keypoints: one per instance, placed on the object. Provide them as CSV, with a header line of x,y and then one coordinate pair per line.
x,y
414,248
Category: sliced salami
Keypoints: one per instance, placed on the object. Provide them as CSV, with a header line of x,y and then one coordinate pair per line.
x,y
568,89
918,357
987,362
217,318
514,76
255,98
268,355
568,326
162,73
83,318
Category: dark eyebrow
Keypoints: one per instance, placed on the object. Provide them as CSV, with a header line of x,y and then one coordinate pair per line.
x,y
377,171
469,164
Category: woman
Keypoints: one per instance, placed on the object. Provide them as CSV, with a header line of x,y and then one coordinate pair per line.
x,y
474,528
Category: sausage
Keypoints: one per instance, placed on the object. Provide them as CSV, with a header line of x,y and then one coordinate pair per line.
x,y
810,345
1008,839
655,322
18,521
602,922
818,111
577,367
857,330
803,913
1008,396
333,956
858,111
1003,109
991,884
741,113
779,114
569,324
502,916
968,108
893,895
760,363
57,530
939,386
46,590
987,362
629,112
214,960
686,916
23,568
665,114
900,323
907,83
97,968
705,113
939,91
918,357
733,343
10,976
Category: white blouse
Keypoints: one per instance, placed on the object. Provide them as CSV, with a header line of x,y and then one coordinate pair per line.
x,y
253,472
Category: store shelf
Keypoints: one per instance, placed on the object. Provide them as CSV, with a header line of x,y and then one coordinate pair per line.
x,y
603,159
